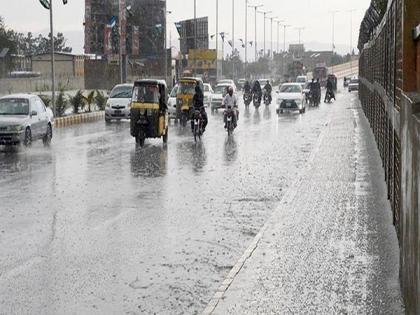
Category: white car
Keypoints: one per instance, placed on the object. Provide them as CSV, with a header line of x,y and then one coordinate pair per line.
x,y
302,79
290,98
208,94
228,82
172,103
118,104
218,94
24,119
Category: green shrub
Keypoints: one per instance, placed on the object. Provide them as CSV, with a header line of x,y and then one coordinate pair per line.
x,y
77,102
46,99
61,104
100,100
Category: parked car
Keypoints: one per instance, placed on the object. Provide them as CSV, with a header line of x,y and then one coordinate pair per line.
x,y
24,119
208,94
218,95
172,103
118,104
354,84
290,98
241,83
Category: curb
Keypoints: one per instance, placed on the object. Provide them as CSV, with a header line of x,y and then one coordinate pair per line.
x,y
78,119
287,199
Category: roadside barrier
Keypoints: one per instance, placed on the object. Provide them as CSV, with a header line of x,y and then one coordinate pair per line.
x,y
78,119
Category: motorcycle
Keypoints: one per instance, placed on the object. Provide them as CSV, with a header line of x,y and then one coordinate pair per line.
x,y
314,99
267,98
247,98
198,125
257,101
329,97
230,126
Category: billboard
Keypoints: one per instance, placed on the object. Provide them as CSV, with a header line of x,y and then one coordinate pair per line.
x,y
188,40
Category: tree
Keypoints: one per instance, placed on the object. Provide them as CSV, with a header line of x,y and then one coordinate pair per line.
x,y
7,40
29,45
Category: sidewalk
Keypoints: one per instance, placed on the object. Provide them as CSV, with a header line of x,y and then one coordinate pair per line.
x,y
330,247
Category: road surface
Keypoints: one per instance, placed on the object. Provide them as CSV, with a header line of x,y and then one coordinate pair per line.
x,y
94,225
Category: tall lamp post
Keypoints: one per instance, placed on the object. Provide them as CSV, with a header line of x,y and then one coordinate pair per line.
x,y
333,38
233,39
271,34
351,39
285,26
255,16
300,29
265,17
48,4
166,45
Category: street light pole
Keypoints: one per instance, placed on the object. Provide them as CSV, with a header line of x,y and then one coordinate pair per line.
x,y
52,58
300,29
255,16
246,37
333,39
265,17
271,36
351,39
217,40
233,39
285,26
195,33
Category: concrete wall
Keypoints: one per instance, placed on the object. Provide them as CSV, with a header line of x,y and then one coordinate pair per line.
x,y
9,86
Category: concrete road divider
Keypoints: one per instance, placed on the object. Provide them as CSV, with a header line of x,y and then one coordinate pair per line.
x,y
78,119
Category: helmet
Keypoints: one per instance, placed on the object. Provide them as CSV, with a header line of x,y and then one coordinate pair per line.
x,y
230,90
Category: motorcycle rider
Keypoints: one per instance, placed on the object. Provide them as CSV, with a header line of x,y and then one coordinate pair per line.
x,y
231,100
198,104
247,87
256,90
330,90
268,90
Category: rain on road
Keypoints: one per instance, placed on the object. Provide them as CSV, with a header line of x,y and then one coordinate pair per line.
x,y
95,225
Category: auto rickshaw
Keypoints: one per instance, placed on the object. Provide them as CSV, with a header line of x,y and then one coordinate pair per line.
x,y
149,114
184,98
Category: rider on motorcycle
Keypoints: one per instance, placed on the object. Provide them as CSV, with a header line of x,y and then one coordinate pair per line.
x,y
256,90
330,90
247,87
231,101
268,90
198,104
313,91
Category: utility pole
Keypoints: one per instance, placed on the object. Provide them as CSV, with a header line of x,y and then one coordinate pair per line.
x,y
246,37
52,58
255,15
233,39
166,45
217,40
195,33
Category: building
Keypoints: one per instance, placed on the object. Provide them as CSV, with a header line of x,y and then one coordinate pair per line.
x,y
66,65
139,25
187,34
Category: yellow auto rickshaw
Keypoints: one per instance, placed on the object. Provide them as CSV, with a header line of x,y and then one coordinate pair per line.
x,y
184,98
149,114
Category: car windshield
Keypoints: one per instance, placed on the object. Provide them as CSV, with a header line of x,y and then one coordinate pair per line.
x,y
14,106
354,81
290,89
301,80
174,91
186,88
146,94
121,92
206,88
220,89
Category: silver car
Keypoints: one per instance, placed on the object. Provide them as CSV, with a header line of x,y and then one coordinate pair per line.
x,y
24,119
118,104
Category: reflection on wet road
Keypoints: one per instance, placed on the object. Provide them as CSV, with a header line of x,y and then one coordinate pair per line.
x,y
96,225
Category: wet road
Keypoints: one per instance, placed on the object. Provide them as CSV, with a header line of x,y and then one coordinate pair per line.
x,y
94,225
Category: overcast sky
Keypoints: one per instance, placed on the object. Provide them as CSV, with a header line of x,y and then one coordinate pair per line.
x,y
314,15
